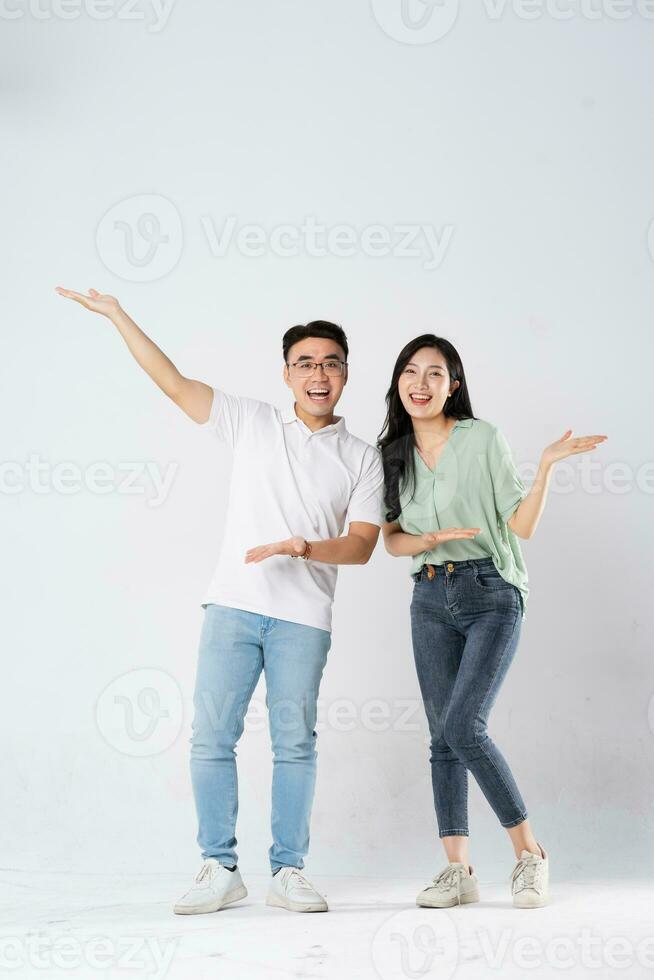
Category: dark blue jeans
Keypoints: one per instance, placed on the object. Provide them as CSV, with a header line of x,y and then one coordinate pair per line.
x,y
465,623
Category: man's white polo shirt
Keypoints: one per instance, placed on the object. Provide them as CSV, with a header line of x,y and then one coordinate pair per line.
x,y
288,481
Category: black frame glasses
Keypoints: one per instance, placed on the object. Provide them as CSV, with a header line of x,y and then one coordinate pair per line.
x,y
315,364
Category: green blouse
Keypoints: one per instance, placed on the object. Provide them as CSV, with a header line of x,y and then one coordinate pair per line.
x,y
474,484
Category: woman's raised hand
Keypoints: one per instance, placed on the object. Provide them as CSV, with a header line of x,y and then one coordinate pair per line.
x,y
95,301
565,446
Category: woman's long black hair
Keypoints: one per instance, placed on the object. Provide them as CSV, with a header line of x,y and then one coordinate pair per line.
x,y
396,439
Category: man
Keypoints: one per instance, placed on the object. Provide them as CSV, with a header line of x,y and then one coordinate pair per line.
x,y
297,475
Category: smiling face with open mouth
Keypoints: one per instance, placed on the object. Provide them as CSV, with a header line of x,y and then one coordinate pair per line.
x,y
425,383
316,391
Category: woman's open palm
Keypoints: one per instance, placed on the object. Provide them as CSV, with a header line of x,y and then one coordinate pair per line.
x,y
565,446
433,538
95,301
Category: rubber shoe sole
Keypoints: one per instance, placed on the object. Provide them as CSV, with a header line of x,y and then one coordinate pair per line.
x,y
537,902
214,906
280,903
466,899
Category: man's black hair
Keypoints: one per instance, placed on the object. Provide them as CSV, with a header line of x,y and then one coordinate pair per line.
x,y
317,328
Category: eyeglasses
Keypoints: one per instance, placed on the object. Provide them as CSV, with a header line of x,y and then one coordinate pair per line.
x,y
304,369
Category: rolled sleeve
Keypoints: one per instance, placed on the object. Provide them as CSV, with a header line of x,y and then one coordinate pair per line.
x,y
508,488
367,498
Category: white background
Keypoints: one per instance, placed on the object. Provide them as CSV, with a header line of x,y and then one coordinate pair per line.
x,y
531,140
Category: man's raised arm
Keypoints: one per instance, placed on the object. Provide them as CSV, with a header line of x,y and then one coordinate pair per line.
x,y
193,397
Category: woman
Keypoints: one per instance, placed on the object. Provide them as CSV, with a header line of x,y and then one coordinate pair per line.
x,y
457,506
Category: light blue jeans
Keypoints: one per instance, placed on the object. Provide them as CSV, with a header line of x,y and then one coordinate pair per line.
x,y
235,646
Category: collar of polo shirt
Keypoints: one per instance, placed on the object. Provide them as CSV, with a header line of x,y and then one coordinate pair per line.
x,y
290,415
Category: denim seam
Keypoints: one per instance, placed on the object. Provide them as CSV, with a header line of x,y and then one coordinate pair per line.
x,y
308,704
479,744
499,664
243,703
502,781
246,697
514,823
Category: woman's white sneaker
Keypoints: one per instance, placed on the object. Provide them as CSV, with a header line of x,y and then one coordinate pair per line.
x,y
454,885
530,880
214,887
290,890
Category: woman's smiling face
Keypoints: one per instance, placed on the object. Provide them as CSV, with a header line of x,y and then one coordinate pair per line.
x,y
424,384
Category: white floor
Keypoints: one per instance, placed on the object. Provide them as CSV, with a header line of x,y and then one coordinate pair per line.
x,y
95,925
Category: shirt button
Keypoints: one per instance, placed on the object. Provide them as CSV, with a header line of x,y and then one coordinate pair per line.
x,y
450,567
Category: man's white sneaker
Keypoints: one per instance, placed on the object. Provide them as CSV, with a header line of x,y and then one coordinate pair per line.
x,y
454,885
214,887
530,880
290,890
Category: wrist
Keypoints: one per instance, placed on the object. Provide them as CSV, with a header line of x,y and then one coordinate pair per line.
x,y
115,314
305,553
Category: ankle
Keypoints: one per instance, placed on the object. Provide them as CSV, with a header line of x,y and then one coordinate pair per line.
x,y
535,849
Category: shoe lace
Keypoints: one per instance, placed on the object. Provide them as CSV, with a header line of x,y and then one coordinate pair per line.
x,y
527,873
206,871
447,877
295,874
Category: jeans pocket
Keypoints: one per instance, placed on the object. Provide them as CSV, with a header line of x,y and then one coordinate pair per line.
x,y
491,580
